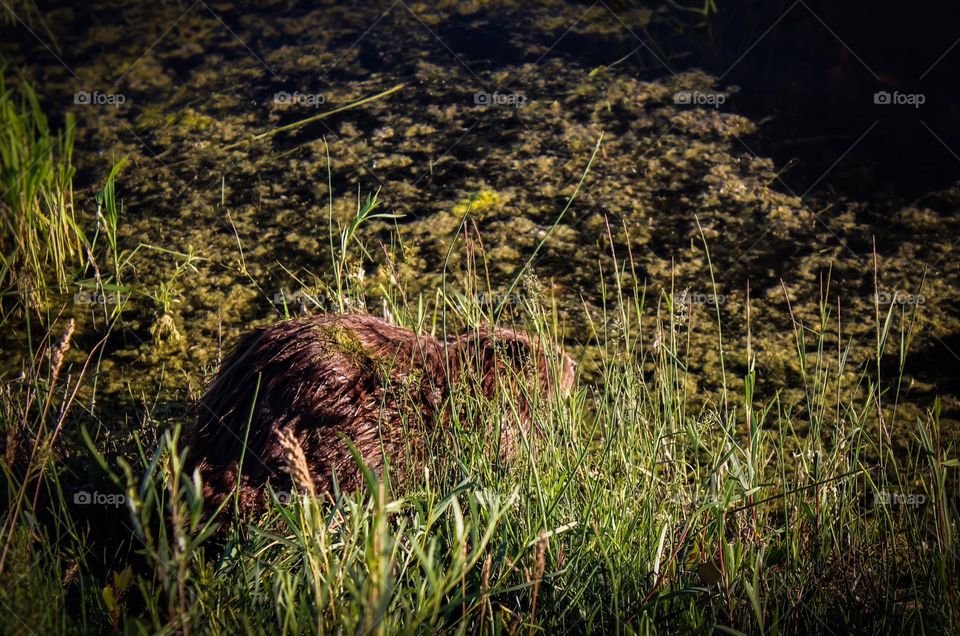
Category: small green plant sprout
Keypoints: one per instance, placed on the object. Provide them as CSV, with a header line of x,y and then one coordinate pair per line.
x,y
164,328
108,215
348,273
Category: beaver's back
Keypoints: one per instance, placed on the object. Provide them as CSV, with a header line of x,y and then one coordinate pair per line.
x,y
318,379
333,377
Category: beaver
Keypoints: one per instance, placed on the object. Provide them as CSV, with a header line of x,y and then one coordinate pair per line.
x,y
333,378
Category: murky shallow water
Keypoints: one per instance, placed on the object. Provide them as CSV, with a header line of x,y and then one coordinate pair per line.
x,y
500,110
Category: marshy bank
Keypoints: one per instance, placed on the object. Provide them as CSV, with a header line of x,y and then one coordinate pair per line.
x,y
768,346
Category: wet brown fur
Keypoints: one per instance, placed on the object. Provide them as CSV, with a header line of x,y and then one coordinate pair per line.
x,y
357,377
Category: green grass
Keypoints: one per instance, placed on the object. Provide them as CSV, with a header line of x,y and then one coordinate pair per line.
x,y
635,512
44,250
641,508
40,241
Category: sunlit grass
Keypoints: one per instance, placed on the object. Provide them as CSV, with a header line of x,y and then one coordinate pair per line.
x,y
633,512
40,241
638,507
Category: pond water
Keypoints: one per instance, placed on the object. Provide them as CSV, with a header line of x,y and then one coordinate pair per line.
x,y
791,143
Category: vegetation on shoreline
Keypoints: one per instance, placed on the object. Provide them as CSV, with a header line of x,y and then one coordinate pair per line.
x,y
633,512
643,507
40,238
